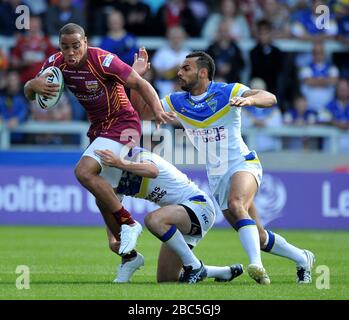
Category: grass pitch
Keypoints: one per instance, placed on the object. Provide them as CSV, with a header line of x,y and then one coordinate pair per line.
x,y
75,263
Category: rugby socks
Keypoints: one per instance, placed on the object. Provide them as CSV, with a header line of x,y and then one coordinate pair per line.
x,y
123,217
218,272
277,245
249,238
129,256
175,240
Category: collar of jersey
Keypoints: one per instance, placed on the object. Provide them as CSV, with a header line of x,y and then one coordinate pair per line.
x,y
204,98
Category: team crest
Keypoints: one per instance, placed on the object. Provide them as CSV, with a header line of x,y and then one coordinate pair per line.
x,y
92,85
213,105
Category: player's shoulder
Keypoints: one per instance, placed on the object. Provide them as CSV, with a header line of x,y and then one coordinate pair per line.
x,y
55,59
98,54
176,96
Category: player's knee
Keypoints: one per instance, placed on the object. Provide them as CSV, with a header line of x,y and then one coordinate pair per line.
x,y
152,220
236,207
83,175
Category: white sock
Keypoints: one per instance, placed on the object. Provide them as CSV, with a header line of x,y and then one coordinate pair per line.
x,y
249,237
177,243
218,272
278,246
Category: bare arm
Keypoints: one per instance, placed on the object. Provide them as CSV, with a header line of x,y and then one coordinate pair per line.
x,y
144,169
150,97
143,109
41,86
258,98
141,66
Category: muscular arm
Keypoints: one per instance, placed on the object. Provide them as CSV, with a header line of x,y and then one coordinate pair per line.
x,y
40,86
143,109
142,169
150,98
145,90
258,98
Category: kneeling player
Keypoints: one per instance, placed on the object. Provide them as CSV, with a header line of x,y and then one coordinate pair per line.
x,y
185,216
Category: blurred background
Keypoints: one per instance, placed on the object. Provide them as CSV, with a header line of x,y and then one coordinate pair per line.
x,y
296,49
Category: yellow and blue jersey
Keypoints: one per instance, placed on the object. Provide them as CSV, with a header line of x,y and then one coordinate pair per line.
x,y
211,123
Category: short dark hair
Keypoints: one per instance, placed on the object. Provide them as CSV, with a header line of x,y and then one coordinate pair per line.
x,y
264,23
71,28
204,61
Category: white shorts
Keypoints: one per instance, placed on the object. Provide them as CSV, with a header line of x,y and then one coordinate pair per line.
x,y
220,185
205,212
110,174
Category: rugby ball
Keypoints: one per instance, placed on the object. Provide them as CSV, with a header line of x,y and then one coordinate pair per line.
x,y
55,77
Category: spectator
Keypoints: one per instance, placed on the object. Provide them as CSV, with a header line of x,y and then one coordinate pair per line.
x,y
13,106
31,50
8,17
97,12
279,17
138,17
175,13
337,112
61,112
253,117
238,26
341,58
252,11
37,7
4,63
227,55
117,40
167,59
62,13
300,115
200,10
318,79
267,59
305,27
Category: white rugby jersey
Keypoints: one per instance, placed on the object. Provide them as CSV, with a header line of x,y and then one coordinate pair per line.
x,y
212,125
171,186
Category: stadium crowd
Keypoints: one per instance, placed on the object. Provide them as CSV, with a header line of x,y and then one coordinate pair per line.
x,y
311,87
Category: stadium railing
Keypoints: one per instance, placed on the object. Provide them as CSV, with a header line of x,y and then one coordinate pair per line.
x,y
316,131
250,134
42,127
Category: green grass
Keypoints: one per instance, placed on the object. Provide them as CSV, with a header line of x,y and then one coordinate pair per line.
x,y
75,263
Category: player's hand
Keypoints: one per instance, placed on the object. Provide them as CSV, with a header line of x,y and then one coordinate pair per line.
x,y
164,117
109,158
141,64
40,86
242,102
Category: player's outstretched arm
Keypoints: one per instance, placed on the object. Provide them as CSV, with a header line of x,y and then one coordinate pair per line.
x,y
150,97
40,86
142,169
257,98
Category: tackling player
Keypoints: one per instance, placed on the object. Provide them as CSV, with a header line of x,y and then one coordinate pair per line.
x,y
185,216
97,78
